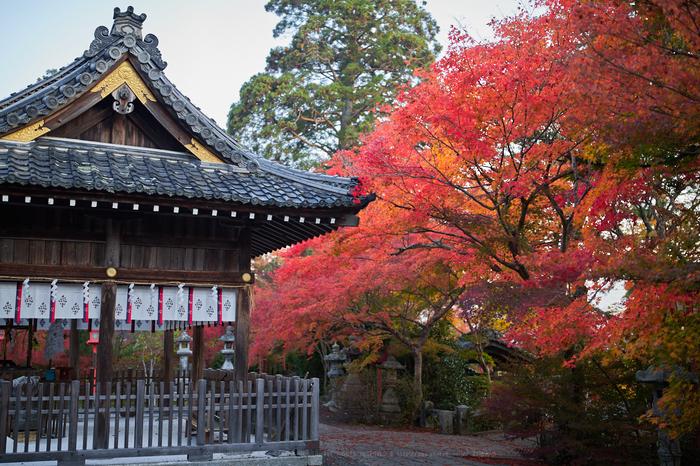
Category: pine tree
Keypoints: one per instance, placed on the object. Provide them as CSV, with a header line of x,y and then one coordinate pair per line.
x,y
345,60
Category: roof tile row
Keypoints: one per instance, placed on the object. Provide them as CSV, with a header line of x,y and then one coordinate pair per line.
x,y
52,162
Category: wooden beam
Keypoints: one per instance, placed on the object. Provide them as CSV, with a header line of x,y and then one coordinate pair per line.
x,y
148,130
57,235
138,276
67,113
175,242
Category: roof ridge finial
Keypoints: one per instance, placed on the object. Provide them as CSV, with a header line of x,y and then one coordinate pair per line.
x,y
127,22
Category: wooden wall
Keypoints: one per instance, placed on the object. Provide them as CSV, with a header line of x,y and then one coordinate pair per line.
x,y
102,124
167,242
45,236
41,235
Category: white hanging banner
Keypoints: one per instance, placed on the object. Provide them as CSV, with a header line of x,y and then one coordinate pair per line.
x,y
203,305
36,300
144,304
168,306
228,304
69,301
8,299
173,309
120,308
95,301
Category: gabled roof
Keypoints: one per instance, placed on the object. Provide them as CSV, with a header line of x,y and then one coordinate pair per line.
x,y
211,166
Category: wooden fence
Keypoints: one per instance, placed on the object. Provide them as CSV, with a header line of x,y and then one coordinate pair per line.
x,y
71,422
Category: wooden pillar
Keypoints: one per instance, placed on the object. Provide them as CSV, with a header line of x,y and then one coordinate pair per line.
x,y
197,353
30,337
240,364
168,350
105,347
74,349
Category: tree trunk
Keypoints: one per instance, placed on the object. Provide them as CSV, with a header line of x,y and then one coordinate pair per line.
x,y
345,120
482,363
418,373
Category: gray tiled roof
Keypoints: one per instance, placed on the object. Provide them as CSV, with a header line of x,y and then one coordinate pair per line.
x,y
54,162
245,177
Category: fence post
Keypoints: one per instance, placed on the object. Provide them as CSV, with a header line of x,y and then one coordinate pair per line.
x,y
314,409
140,404
259,410
201,455
73,416
73,427
201,410
6,387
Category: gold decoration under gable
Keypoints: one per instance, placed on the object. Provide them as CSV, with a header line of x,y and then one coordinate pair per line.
x,y
29,133
124,74
202,153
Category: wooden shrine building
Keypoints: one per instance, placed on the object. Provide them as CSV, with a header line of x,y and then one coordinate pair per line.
x,y
125,207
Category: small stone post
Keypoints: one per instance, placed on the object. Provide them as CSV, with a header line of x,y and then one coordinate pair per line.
x,y
463,418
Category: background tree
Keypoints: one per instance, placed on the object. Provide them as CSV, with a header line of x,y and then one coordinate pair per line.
x,y
351,282
344,61
149,348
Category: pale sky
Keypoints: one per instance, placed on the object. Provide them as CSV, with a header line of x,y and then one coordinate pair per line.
x,y
212,46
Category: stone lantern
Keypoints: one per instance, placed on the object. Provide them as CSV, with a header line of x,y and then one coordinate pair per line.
x,y
228,338
336,360
389,410
669,450
184,340
352,352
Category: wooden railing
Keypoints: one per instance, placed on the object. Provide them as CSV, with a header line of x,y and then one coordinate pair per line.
x,y
70,423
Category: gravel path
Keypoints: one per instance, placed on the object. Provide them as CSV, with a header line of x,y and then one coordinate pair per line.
x,y
350,444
